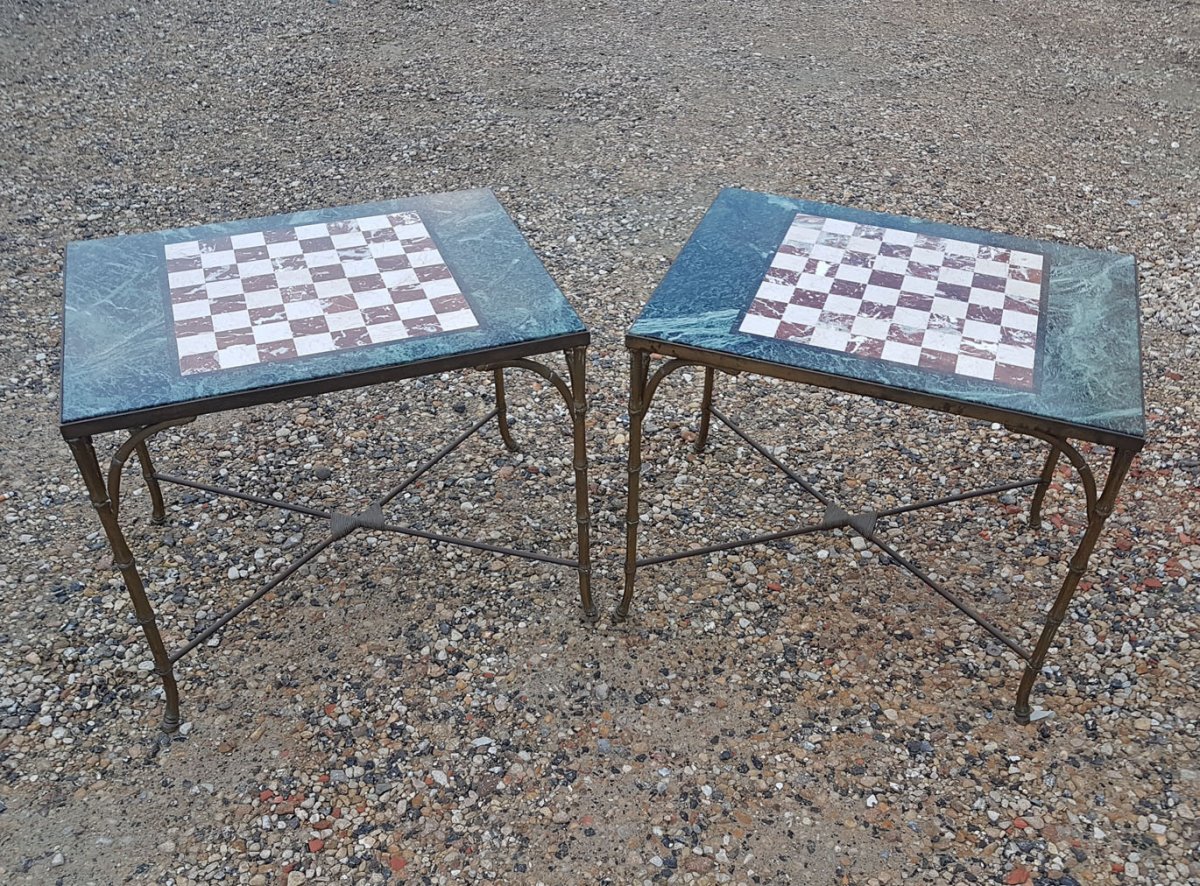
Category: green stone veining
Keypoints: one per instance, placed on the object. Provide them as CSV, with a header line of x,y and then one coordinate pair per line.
x,y
118,355
1091,358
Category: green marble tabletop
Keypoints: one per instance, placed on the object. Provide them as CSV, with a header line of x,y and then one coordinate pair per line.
x,y
194,320
1037,334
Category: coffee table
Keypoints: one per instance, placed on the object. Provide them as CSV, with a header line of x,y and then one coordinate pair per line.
x,y
1039,337
161,328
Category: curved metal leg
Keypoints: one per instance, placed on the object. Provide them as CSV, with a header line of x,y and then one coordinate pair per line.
x,y
502,411
1039,494
137,443
85,457
575,395
158,511
642,386
705,409
1078,462
1121,460
577,369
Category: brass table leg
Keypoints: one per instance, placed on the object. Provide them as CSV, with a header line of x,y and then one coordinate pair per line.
x,y
85,457
158,509
705,408
639,368
573,390
577,370
502,411
1121,460
1039,494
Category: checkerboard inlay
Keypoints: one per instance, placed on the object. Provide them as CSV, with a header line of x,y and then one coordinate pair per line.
x,y
936,303
290,292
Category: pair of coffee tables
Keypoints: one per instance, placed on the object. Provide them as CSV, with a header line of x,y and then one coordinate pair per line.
x,y
164,327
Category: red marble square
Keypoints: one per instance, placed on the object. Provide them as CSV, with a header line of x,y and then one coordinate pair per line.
x,y
277,350
423,325
380,314
195,363
309,325
350,338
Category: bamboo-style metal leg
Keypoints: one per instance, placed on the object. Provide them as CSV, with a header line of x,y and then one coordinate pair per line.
x,y
574,394
705,409
577,369
1039,494
639,369
502,412
1121,460
85,457
159,511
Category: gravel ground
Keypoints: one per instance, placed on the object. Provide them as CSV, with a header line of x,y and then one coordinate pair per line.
x,y
795,714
